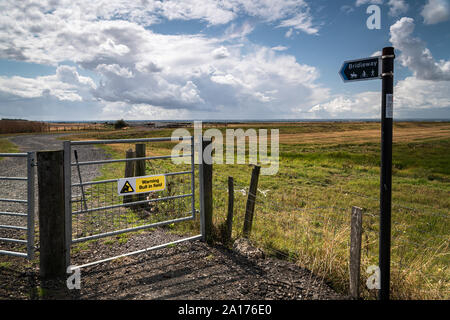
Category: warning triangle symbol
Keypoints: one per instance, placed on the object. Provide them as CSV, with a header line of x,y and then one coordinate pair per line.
x,y
127,188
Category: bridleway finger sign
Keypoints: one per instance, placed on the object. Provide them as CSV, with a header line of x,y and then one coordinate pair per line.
x,y
143,184
361,69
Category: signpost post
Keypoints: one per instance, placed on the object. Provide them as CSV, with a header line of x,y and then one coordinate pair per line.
x,y
380,68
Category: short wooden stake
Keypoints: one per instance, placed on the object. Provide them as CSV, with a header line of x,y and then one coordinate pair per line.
x,y
251,199
230,209
355,251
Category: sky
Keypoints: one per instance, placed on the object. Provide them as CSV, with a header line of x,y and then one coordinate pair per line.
x,y
218,59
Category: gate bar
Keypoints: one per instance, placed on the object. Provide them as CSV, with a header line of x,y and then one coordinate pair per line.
x,y
13,227
13,240
13,154
14,200
146,226
115,180
14,178
197,237
131,203
111,141
14,254
128,159
15,214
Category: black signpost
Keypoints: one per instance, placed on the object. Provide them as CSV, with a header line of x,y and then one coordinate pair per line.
x,y
376,68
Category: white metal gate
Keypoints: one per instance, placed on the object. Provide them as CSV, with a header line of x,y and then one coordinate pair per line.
x,y
19,219
95,203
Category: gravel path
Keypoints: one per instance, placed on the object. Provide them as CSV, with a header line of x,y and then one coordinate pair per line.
x,y
16,167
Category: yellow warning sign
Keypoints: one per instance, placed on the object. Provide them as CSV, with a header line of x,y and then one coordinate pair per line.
x,y
133,185
149,184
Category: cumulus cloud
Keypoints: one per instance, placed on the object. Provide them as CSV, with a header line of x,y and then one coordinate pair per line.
x,y
108,69
140,69
65,85
436,11
361,105
412,97
413,94
415,55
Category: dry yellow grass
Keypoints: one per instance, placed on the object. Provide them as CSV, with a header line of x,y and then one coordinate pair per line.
x,y
368,135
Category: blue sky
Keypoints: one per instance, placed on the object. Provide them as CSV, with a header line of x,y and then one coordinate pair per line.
x,y
228,59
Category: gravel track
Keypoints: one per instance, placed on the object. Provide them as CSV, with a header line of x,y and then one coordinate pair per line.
x,y
16,167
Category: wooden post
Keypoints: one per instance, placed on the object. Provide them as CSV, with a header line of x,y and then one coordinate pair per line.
x,y
230,209
250,207
51,214
129,172
355,251
207,196
140,166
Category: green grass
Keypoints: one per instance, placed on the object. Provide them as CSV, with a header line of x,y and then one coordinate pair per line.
x,y
7,146
304,214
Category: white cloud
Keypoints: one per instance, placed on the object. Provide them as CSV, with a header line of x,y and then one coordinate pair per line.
x,y
347,9
436,11
220,53
397,7
361,2
138,67
415,55
376,54
362,105
234,32
412,97
289,33
280,48
65,85
114,69
412,93
301,21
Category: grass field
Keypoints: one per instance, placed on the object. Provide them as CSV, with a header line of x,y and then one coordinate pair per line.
x,y
303,212
7,147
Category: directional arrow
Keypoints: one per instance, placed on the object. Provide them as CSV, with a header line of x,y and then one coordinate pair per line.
x,y
361,69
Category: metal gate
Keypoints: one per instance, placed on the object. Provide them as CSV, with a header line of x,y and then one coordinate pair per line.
x,y
95,210
17,215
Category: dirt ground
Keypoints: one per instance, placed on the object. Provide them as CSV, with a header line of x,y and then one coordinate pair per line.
x,y
189,270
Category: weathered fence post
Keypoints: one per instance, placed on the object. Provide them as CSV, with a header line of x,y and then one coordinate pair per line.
x,y
206,196
355,251
140,167
230,209
51,214
250,207
129,172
